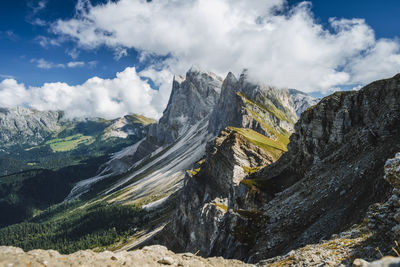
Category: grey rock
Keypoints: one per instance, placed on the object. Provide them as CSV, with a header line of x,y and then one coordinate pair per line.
x,y
301,101
166,261
313,190
392,171
384,262
245,104
192,99
27,126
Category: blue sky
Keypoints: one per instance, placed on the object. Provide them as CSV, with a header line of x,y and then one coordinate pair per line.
x,y
300,46
19,42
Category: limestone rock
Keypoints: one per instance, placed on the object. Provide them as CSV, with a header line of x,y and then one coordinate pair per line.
x,y
331,174
384,262
148,256
392,171
27,126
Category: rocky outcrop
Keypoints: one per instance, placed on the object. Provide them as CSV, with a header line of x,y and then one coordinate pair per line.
x,y
129,125
192,99
215,203
245,104
148,256
360,244
301,101
333,169
214,194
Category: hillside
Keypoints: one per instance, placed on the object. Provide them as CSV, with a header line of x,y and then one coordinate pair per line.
x,y
44,154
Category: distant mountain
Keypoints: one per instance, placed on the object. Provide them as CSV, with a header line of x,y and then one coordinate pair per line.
x,y
19,126
43,154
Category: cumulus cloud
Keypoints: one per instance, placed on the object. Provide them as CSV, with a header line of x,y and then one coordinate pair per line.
x,y
280,45
128,92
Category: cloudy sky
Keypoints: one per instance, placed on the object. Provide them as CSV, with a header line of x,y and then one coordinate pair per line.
x,y
109,58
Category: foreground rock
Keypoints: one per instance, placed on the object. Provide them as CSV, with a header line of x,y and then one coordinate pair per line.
x,y
362,244
148,256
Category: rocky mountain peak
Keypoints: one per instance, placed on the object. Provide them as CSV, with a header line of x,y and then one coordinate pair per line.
x,y
192,99
246,104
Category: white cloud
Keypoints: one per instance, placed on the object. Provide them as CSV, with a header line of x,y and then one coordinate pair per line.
x,y
45,42
44,64
92,64
39,22
287,48
120,53
6,76
38,7
73,53
12,94
107,98
34,10
75,64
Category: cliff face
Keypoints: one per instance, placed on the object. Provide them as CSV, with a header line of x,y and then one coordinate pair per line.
x,y
214,189
245,104
331,173
192,99
191,102
333,169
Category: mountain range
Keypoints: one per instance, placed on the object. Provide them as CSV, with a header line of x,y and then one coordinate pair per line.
x,y
233,168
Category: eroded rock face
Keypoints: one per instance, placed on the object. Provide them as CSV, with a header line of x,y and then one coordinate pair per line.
x,y
192,99
245,104
392,171
301,101
191,102
361,244
212,197
333,169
